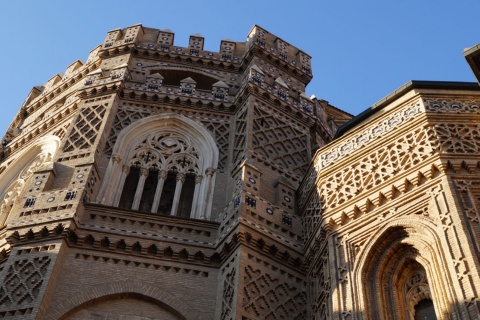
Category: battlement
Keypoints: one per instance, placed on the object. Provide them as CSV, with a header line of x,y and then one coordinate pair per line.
x,y
229,50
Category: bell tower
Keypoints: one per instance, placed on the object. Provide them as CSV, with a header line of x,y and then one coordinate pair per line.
x,y
153,169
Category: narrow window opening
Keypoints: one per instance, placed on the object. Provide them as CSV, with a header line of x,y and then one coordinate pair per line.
x,y
168,192
129,188
186,197
148,193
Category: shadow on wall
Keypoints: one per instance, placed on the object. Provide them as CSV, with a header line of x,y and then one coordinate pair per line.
x,y
129,305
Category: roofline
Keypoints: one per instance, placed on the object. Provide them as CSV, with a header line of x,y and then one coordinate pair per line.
x,y
413,84
472,55
471,50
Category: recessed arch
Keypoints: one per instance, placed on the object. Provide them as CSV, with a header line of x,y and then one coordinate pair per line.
x,y
117,290
148,139
389,256
19,170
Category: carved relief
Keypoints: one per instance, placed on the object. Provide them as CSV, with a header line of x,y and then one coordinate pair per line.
x,y
219,128
452,105
376,168
374,131
166,152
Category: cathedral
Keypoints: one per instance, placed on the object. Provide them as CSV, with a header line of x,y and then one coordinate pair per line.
x,y
162,182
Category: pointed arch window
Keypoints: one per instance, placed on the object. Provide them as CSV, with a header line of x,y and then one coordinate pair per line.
x,y
161,169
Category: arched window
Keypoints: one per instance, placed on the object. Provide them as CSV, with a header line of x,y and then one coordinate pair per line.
x,y
19,171
162,164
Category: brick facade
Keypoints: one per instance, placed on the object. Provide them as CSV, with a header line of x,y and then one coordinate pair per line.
x,y
163,182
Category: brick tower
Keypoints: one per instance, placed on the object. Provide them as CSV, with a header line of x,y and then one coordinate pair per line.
x,y
163,182
159,181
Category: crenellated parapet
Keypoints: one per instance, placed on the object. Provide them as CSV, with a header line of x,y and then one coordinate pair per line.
x,y
161,43
276,47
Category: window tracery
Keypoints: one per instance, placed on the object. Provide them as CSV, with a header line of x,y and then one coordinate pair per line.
x,y
163,172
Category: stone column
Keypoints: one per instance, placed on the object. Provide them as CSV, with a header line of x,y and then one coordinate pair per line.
x,y
108,192
207,194
138,193
162,176
121,182
198,180
178,191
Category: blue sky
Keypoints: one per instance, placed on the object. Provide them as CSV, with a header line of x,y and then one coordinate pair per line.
x,y
361,50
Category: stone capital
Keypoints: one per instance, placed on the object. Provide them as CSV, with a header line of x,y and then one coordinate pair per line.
x,y
144,172
116,157
210,171
126,169
181,177
162,174
198,178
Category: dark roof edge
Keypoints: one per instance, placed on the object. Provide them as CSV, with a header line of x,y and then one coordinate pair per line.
x,y
471,50
413,84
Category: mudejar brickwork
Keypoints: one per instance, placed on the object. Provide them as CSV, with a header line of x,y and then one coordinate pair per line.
x,y
162,182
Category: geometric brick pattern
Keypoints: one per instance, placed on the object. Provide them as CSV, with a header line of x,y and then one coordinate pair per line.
x,y
22,283
312,217
280,142
267,297
240,137
85,129
376,168
221,133
123,118
320,288
228,295
457,138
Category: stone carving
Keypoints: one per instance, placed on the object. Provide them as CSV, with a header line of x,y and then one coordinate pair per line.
x,y
166,152
374,131
452,105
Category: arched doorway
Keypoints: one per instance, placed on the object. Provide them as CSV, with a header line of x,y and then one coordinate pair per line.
x,y
395,275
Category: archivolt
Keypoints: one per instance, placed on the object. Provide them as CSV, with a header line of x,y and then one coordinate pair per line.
x,y
397,244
